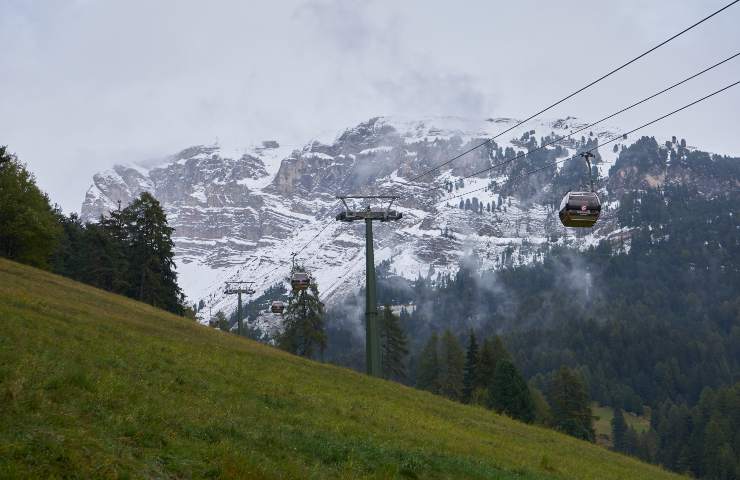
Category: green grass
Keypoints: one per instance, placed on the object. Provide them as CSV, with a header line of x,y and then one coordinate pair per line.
x,y
93,385
603,422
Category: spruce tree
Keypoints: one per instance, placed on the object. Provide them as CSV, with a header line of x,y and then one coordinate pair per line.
x,y
472,359
427,377
509,393
452,367
113,239
492,352
303,321
571,412
542,414
619,431
394,346
106,262
152,277
220,321
68,257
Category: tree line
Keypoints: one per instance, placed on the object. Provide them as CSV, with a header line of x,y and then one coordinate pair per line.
x,y
701,441
129,252
485,374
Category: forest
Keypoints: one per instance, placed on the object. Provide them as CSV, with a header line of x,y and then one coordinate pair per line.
x,y
650,326
647,325
129,252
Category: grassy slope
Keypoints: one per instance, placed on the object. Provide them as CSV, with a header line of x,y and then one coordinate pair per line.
x,y
96,385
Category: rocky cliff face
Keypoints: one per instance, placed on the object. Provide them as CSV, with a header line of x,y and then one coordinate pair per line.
x,y
239,214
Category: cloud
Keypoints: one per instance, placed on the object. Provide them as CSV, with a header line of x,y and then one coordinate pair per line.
x,y
85,84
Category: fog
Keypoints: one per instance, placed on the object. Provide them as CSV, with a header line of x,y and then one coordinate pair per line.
x,y
85,84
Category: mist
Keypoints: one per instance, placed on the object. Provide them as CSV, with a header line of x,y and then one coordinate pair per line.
x,y
85,84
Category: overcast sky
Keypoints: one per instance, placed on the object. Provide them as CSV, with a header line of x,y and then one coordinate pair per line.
x,y
88,83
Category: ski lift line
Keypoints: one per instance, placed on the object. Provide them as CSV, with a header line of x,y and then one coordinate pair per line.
x,y
298,252
312,239
590,125
355,261
614,139
571,95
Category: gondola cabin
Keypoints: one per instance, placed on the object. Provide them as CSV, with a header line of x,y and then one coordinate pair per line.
x,y
300,281
277,307
580,209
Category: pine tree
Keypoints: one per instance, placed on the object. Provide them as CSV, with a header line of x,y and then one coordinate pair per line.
x,y
542,413
152,277
452,366
427,377
220,321
106,264
394,346
619,431
492,352
29,230
472,359
68,257
571,412
509,393
113,240
303,321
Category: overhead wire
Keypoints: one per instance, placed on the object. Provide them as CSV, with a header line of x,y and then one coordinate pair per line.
x,y
567,97
576,92
614,139
590,125
354,261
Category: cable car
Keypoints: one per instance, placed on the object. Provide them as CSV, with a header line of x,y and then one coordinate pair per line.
x,y
277,307
581,209
300,281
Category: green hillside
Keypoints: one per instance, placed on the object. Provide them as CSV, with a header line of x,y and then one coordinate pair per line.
x,y
94,385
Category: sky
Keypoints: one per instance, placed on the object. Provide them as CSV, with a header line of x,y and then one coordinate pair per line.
x,y
86,84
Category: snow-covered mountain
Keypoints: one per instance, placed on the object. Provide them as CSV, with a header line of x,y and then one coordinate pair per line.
x,y
238,214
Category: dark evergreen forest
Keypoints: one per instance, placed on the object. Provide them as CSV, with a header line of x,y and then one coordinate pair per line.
x,y
650,322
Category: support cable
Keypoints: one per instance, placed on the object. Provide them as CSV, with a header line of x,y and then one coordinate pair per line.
x,y
614,139
586,127
571,95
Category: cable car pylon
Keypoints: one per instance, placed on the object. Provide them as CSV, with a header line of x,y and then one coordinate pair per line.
x,y
237,288
372,326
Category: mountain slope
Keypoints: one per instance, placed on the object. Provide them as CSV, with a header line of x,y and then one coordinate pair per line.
x,y
239,213
96,385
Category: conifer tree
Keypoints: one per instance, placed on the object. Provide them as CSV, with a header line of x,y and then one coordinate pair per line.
x,y
220,321
68,258
509,393
106,264
472,360
394,348
492,352
542,414
152,277
571,412
114,245
427,377
452,367
303,321
619,431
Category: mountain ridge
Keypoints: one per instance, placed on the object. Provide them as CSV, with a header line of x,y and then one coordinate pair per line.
x,y
242,218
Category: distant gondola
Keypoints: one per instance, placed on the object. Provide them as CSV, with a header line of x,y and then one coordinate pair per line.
x,y
581,209
300,281
277,307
